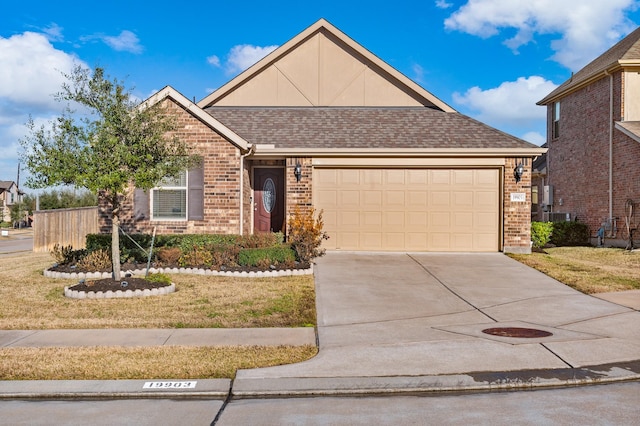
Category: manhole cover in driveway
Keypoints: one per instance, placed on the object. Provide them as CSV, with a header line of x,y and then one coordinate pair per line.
x,y
521,332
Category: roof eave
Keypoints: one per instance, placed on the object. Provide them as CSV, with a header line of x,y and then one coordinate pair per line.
x,y
269,150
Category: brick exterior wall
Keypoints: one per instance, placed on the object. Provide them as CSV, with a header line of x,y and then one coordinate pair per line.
x,y
517,214
221,185
299,193
578,160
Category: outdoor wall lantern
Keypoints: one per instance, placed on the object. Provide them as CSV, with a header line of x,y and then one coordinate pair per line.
x,y
297,172
518,171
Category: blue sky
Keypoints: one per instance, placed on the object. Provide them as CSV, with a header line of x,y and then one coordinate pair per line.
x,y
489,59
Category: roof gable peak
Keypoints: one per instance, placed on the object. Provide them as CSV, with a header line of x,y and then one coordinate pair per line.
x,y
322,66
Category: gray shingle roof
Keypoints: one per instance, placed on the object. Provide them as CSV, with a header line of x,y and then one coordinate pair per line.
x,y
362,127
627,49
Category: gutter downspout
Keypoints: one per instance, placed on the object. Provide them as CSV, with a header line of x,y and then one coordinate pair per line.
x,y
252,149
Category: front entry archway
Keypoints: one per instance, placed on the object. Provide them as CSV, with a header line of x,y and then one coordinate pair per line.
x,y
269,197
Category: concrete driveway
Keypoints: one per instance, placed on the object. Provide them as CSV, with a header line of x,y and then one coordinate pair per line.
x,y
415,322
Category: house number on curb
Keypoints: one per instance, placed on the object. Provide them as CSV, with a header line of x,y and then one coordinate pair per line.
x,y
169,385
269,195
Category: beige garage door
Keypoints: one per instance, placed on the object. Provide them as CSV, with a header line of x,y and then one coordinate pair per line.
x,y
409,209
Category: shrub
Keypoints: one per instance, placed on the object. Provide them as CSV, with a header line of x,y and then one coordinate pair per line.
x,y
96,260
159,278
265,257
224,256
306,234
196,256
261,240
541,233
66,254
570,234
168,255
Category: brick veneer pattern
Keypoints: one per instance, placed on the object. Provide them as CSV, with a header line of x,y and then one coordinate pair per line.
x,y
517,214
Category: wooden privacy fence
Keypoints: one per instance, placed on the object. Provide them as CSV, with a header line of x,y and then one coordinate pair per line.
x,y
64,227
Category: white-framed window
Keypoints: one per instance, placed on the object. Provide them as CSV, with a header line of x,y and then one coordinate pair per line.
x,y
169,199
556,120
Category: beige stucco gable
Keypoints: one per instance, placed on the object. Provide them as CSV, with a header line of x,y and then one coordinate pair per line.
x,y
322,67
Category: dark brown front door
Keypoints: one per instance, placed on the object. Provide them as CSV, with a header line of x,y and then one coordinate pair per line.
x,y
269,200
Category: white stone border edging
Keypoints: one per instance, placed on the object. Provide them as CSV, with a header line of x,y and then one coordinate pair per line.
x,y
76,294
195,271
118,294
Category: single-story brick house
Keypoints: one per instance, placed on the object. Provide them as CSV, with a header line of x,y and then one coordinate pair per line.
x,y
323,123
593,137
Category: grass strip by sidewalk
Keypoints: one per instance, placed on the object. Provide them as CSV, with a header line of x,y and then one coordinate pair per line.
x,y
587,269
159,362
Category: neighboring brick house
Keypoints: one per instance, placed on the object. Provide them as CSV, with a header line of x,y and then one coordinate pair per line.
x,y
323,123
593,137
9,195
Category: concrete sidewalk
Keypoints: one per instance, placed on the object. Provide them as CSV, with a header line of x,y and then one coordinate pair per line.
x,y
399,323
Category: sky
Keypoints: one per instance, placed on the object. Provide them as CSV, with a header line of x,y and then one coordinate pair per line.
x,y
489,59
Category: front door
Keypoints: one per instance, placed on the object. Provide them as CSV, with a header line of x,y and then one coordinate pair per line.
x,y
269,197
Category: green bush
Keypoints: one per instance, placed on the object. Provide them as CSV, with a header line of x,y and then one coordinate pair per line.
x,y
282,254
541,233
570,234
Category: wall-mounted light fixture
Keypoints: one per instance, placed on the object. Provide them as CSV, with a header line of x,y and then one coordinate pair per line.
x,y
518,171
297,172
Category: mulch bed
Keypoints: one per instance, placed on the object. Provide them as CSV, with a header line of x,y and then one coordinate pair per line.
x,y
126,283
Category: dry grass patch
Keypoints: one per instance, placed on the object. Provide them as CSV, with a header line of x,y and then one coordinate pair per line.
x,y
588,269
32,301
160,362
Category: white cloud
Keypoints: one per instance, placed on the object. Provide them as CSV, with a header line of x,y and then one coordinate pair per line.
x,y
586,27
511,105
418,73
214,61
534,137
31,71
443,4
243,56
126,41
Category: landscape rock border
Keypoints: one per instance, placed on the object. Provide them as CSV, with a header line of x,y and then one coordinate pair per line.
x,y
119,294
75,294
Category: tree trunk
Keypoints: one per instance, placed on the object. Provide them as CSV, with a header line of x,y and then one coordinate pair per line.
x,y
115,247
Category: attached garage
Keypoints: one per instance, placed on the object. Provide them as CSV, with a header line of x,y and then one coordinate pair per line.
x,y
409,209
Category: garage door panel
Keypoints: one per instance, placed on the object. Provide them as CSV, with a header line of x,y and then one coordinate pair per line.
x,y
417,200
409,209
394,241
372,199
348,218
372,219
417,220
394,198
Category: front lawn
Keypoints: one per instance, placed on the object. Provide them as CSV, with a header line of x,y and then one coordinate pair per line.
x,y
31,301
588,269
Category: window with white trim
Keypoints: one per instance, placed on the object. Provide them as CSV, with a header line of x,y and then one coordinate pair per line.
x,y
556,120
169,199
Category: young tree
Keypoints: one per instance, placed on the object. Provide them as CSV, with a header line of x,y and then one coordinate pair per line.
x,y
106,145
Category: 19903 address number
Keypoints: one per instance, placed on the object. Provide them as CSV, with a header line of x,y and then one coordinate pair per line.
x,y
169,385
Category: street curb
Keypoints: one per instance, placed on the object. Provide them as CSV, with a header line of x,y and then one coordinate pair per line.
x,y
221,389
113,389
463,382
